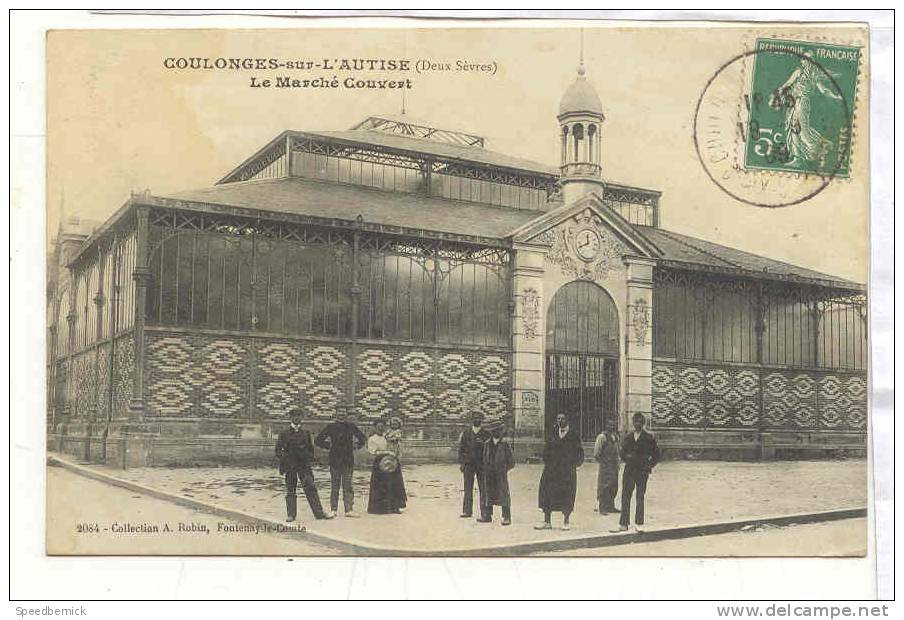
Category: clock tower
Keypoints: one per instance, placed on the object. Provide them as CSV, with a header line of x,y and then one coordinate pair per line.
x,y
580,118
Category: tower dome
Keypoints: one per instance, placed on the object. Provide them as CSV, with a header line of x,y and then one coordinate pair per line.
x,y
580,120
580,97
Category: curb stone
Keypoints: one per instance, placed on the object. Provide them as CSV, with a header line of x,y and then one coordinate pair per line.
x,y
355,547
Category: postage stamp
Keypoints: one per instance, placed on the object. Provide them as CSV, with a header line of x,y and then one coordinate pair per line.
x,y
800,107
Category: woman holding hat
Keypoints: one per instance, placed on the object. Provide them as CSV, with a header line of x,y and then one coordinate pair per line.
x,y
387,489
498,459
394,444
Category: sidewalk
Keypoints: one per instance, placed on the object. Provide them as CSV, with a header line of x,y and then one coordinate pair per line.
x,y
680,494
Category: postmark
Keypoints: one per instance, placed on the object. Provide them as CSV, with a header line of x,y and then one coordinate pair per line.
x,y
748,108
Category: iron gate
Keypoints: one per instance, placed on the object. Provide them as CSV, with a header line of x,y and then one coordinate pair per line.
x,y
582,353
585,388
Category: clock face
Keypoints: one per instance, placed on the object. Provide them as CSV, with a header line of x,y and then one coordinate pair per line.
x,y
587,244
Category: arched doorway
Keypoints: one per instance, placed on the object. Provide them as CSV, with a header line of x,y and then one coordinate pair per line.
x,y
582,349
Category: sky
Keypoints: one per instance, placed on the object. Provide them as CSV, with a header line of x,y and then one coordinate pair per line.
x,y
119,120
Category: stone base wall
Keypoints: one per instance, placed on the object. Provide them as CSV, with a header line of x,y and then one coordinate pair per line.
x,y
199,443
190,445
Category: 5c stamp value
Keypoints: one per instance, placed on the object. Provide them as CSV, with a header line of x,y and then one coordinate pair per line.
x,y
800,107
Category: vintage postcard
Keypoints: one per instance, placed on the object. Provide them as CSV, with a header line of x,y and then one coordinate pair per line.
x,y
588,288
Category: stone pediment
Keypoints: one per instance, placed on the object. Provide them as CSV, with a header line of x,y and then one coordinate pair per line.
x,y
586,239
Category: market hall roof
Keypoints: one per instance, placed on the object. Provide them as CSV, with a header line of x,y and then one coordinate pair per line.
x,y
331,201
410,213
683,251
415,147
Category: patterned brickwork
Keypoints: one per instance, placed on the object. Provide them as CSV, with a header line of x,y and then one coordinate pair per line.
x,y
842,401
290,374
789,399
395,381
419,384
194,375
123,373
259,378
699,396
702,396
473,379
84,384
103,380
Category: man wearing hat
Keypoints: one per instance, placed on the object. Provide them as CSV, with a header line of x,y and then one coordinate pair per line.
x,y
470,459
497,460
294,451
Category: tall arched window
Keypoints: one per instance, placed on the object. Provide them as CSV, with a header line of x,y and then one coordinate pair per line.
x,y
578,132
591,140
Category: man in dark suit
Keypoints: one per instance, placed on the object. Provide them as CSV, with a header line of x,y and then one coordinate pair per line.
x,y
294,451
341,438
640,454
470,457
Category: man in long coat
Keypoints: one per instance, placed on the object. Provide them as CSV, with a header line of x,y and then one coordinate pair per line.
x,y
294,451
497,460
562,455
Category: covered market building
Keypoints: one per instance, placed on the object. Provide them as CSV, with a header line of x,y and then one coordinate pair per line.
x,y
403,269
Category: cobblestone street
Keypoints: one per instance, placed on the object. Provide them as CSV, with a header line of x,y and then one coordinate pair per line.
x,y
680,493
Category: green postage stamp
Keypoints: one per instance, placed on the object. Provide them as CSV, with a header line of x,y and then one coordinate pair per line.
x,y
801,107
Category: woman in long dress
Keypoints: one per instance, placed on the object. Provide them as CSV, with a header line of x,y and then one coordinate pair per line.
x,y
387,489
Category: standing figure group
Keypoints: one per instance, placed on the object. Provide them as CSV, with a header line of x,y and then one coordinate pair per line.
x,y
484,456
341,437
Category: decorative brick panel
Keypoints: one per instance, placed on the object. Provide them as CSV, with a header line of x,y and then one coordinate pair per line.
x,y
431,384
789,399
290,374
711,396
704,396
197,375
192,375
102,393
84,384
123,371
842,402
